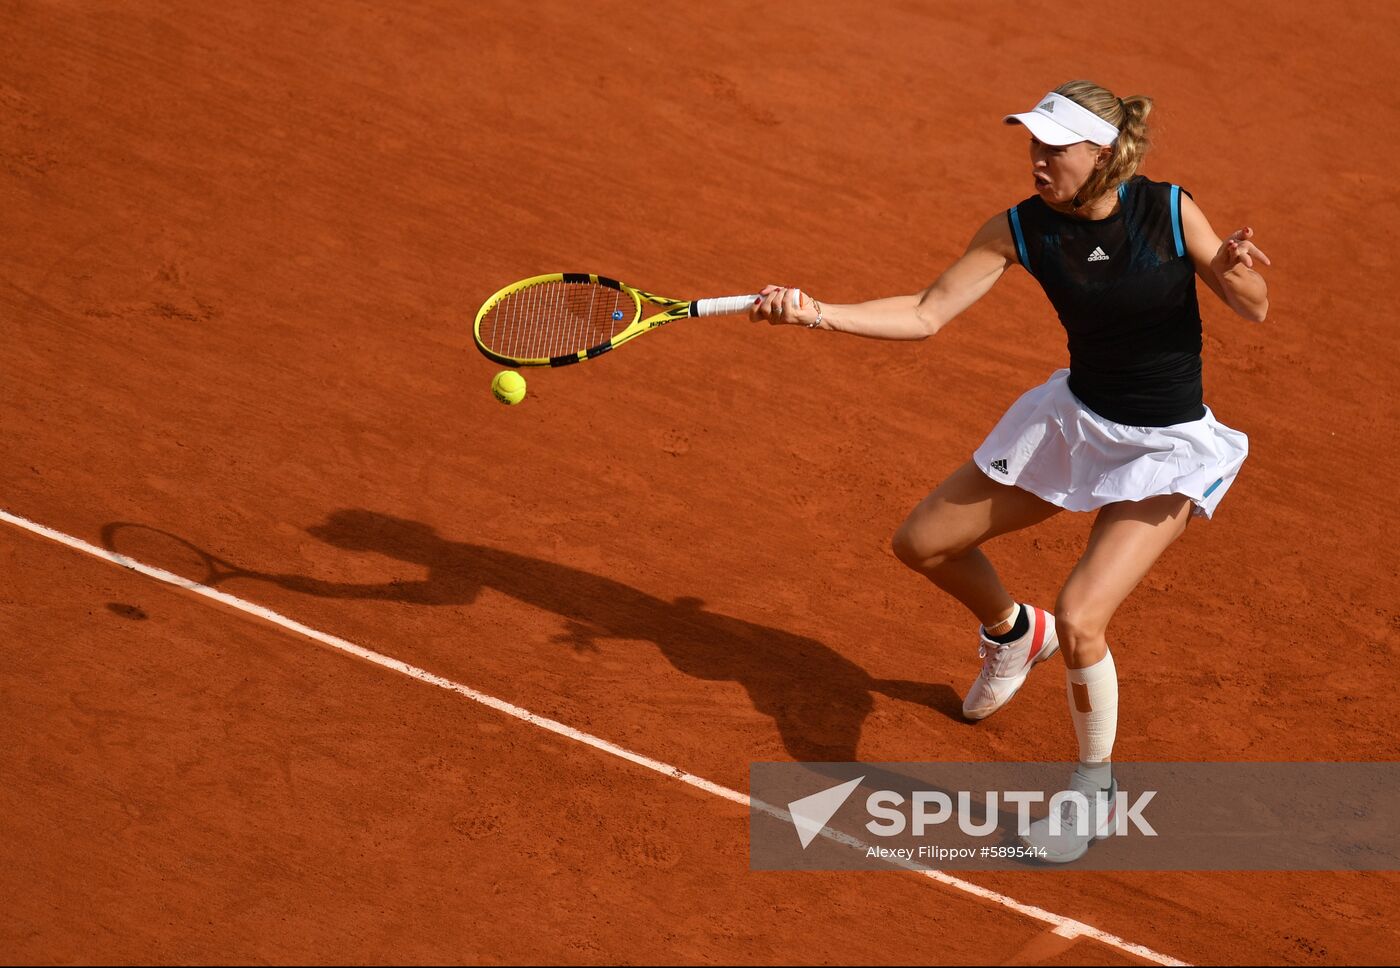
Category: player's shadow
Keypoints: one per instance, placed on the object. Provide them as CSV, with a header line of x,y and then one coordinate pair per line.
x,y
817,698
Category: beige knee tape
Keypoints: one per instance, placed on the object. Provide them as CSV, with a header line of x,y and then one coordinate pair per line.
x,y
1093,705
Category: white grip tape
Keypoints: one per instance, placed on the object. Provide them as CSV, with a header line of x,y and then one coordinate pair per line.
x,y
724,305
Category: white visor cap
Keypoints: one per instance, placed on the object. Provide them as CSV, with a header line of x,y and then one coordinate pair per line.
x,y
1057,120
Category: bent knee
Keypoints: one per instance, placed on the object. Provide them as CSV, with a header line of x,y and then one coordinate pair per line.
x,y
1078,623
920,550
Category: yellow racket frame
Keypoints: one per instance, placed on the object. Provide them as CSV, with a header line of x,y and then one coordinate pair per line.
x,y
671,310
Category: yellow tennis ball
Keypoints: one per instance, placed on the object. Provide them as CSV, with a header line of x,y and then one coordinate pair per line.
x,y
508,387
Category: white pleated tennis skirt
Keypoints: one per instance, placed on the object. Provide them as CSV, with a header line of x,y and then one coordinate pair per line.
x,y
1052,445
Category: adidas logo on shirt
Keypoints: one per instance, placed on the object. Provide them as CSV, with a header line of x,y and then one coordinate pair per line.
x,y
999,466
1098,255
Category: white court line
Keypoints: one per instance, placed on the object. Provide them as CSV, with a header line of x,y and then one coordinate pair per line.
x,y
1063,926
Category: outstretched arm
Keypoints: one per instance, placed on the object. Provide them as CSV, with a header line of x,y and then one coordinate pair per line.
x,y
1228,266
917,316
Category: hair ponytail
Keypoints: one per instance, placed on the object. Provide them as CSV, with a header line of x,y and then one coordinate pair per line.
x,y
1129,116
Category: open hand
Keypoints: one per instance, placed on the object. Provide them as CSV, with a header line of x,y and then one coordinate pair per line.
x,y
1239,249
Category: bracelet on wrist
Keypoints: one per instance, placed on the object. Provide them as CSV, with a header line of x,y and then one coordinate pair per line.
x,y
816,323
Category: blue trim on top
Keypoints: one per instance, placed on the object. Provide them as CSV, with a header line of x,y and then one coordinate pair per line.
x,y
1210,489
1176,221
1020,238
1122,191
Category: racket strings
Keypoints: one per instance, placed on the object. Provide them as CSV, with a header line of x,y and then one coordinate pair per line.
x,y
556,318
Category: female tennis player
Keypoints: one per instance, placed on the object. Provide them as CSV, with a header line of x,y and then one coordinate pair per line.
x,y
1122,431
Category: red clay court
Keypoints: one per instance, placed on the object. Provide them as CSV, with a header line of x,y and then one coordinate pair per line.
x,y
243,243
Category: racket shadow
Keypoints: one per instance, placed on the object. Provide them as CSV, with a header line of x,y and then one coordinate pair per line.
x,y
817,698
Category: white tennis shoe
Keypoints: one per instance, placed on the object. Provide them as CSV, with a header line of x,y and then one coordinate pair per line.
x,y
1005,667
1070,838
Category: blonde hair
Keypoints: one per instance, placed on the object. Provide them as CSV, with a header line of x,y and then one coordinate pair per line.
x,y
1129,116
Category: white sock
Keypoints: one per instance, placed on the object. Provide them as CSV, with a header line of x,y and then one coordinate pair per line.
x,y
1093,705
1015,614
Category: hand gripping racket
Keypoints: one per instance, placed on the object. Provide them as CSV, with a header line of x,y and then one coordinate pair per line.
x,y
570,317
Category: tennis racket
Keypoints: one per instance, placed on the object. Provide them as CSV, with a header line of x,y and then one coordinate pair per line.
x,y
569,317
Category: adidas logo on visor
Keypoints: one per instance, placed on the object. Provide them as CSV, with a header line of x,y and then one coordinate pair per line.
x,y
1048,107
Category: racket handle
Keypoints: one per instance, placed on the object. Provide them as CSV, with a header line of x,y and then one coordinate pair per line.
x,y
724,305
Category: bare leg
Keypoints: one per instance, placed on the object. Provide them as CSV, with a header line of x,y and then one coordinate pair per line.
x,y
1127,538
939,539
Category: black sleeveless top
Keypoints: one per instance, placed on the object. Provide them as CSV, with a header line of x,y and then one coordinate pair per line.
x,y
1125,290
